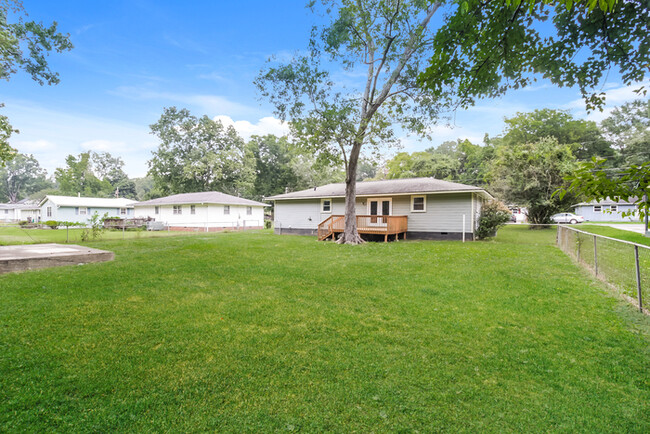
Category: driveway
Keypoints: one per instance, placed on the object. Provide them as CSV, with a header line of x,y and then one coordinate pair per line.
x,y
638,228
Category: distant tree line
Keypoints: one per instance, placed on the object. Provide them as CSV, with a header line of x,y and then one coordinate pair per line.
x,y
524,165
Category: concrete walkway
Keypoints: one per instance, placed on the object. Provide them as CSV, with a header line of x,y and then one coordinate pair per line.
x,y
638,228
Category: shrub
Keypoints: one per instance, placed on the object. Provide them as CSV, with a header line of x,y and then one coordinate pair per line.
x,y
267,224
53,224
494,214
95,229
23,223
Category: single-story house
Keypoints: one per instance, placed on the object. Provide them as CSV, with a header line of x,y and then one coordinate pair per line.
x,y
23,210
80,209
209,211
607,210
424,208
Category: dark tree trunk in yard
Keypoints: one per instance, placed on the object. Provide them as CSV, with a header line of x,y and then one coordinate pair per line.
x,y
350,233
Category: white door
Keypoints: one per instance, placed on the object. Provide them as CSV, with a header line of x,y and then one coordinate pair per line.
x,y
379,207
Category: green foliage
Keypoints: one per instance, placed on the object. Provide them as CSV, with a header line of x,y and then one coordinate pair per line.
x,y
494,214
94,174
628,128
485,48
20,177
199,154
585,138
6,130
422,164
528,174
94,228
52,224
594,181
38,40
274,172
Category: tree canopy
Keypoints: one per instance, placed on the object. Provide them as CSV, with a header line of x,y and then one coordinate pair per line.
x,y
199,154
20,177
487,48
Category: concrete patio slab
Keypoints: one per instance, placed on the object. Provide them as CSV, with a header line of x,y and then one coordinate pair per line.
x,y
33,256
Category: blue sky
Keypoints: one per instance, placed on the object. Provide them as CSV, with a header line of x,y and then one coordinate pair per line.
x,y
132,58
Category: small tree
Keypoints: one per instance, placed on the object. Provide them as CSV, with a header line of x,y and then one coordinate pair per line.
x,y
494,214
95,227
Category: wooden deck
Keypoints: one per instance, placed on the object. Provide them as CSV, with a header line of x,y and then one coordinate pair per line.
x,y
366,224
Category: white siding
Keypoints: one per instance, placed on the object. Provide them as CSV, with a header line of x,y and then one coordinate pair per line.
x,y
205,215
299,214
444,212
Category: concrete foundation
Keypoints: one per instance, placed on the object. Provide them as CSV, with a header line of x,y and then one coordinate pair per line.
x,y
33,256
440,236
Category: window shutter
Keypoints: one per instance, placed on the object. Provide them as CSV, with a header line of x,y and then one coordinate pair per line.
x,y
76,210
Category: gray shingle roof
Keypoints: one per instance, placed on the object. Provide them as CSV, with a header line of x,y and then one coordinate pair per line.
x,y
383,187
609,201
201,197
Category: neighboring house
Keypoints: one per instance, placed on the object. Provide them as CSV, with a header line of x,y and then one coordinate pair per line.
x,y
23,210
208,211
424,208
81,209
607,210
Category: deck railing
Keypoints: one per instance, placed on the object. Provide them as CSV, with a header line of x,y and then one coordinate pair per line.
x,y
366,224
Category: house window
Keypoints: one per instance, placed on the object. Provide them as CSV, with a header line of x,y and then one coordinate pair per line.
x,y
598,208
49,211
226,209
178,209
81,210
122,211
613,208
326,205
192,209
418,203
156,209
6,211
249,210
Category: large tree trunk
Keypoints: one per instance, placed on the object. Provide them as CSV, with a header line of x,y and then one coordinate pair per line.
x,y
350,233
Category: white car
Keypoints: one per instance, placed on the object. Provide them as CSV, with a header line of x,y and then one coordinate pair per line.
x,y
567,217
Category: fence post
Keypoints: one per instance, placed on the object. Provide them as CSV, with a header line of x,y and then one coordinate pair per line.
x,y
595,256
578,244
638,277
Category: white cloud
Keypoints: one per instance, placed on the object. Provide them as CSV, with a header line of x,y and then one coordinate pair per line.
x,y
26,146
266,125
615,95
100,145
51,135
206,103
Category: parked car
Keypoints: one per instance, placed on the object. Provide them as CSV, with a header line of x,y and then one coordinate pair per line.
x,y
567,217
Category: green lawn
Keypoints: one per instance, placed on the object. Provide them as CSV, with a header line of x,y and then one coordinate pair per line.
x,y
615,233
17,235
257,332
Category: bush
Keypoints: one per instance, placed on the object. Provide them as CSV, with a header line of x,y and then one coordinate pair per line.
x,y
494,214
95,229
23,223
53,224
267,224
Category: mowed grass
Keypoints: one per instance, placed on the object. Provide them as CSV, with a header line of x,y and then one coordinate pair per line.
x,y
256,332
619,234
10,234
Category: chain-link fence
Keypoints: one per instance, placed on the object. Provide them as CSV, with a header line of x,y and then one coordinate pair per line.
x,y
622,264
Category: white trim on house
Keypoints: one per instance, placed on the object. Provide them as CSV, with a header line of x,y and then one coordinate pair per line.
x,y
322,205
379,201
424,202
599,208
